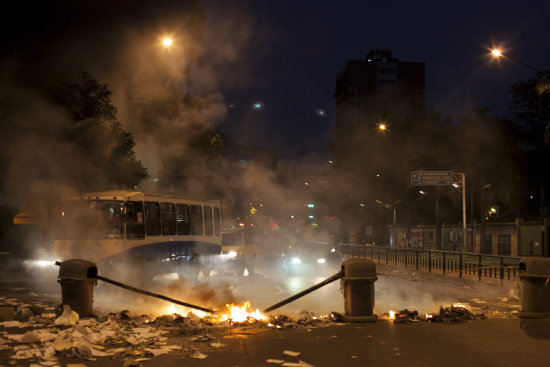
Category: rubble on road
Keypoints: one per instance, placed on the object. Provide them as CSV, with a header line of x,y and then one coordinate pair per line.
x,y
451,314
43,335
406,316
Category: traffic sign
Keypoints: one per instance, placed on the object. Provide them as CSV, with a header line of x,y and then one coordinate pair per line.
x,y
431,178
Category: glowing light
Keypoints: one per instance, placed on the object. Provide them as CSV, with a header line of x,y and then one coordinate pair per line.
x,y
167,42
43,263
391,315
321,112
382,126
242,314
257,106
321,261
496,52
296,260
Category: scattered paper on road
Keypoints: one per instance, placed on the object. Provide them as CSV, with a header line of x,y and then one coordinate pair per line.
x,y
291,353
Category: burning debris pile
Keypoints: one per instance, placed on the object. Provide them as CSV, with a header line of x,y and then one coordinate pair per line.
x,y
406,316
45,335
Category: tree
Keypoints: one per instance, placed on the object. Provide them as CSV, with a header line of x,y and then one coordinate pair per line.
x,y
98,136
530,111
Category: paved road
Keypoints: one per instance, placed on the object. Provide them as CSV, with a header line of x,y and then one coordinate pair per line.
x,y
501,340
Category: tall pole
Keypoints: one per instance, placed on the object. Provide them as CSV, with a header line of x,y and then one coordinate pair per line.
x,y
464,232
471,247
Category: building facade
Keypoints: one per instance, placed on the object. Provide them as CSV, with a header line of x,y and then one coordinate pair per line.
x,y
368,91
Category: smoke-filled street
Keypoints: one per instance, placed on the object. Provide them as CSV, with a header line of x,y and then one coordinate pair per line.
x,y
396,288
206,343
260,183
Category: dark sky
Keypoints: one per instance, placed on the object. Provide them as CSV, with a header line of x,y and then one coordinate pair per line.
x,y
285,54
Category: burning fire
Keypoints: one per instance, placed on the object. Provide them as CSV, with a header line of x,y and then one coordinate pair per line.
x,y
391,315
242,314
234,313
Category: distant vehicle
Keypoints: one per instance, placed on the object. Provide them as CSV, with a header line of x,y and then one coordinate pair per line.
x,y
238,252
310,258
160,232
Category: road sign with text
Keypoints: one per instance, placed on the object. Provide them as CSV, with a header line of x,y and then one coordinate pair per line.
x,y
431,178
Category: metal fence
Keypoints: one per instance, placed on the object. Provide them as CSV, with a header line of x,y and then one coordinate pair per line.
x,y
443,262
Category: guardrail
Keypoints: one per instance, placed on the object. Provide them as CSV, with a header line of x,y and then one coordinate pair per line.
x,y
480,265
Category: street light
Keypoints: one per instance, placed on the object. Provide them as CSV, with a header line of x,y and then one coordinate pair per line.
x,y
462,189
542,87
473,189
498,53
167,41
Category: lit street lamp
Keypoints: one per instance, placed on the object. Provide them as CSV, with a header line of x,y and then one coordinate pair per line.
x,y
499,53
167,42
462,189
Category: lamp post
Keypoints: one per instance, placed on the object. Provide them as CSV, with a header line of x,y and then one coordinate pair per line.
x,y
542,87
472,211
462,189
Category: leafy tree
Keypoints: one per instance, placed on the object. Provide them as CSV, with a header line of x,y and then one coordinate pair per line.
x,y
530,113
98,137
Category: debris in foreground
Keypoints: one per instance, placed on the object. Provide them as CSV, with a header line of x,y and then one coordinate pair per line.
x,y
43,335
451,314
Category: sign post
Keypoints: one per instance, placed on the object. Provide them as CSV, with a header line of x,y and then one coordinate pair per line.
x,y
444,178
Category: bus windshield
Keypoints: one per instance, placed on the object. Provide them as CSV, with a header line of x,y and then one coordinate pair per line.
x,y
91,219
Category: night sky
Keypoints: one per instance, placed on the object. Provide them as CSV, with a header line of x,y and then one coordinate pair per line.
x,y
272,64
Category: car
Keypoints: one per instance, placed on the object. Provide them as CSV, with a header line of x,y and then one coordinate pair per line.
x,y
300,258
238,252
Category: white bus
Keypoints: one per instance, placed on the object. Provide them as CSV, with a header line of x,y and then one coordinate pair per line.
x,y
177,234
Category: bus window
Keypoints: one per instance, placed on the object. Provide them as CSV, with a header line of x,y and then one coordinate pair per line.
x,y
208,230
168,219
182,219
91,219
216,221
134,220
196,220
152,218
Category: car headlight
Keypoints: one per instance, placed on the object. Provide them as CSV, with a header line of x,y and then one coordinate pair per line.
x,y
39,263
321,261
296,260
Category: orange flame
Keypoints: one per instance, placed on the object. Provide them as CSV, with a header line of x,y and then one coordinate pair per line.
x,y
234,314
242,314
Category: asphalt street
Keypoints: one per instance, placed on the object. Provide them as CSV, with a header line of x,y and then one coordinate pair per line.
x,y
497,337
